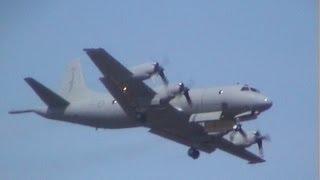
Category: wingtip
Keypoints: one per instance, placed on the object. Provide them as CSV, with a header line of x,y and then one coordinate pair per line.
x,y
257,162
29,80
92,49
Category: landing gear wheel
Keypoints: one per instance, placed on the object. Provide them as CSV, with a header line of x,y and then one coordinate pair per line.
x,y
192,152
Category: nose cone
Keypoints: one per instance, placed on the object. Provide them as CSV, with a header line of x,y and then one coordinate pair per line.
x,y
261,103
267,103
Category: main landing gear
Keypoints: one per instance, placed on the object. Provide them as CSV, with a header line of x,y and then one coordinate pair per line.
x,y
193,153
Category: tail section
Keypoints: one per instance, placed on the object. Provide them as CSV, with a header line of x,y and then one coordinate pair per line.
x,y
49,97
74,87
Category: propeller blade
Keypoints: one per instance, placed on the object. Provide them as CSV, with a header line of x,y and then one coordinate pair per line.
x,y
181,87
163,77
160,71
183,90
238,128
257,133
259,142
186,94
266,138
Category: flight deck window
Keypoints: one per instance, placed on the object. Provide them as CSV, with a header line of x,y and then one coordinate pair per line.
x,y
245,88
254,90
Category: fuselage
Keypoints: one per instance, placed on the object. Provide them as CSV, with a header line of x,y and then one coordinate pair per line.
x,y
102,111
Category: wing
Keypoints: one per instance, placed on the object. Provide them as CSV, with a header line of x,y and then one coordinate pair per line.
x,y
240,152
209,146
131,94
174,125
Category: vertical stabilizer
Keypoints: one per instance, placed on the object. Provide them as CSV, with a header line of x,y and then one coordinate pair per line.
x,y
74,87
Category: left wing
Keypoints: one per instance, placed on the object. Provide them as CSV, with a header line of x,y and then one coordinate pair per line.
x,y
209,146
240,152
172,124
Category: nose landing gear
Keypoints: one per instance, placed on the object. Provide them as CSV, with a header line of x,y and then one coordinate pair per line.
x,y
193,153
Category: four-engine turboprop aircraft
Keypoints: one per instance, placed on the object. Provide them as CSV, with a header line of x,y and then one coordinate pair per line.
x,y
202,119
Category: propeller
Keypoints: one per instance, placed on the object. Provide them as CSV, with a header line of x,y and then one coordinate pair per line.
x,y
238,128
259,139
160,71
185,91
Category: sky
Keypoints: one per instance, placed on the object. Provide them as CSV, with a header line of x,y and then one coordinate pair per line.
x,y
270,45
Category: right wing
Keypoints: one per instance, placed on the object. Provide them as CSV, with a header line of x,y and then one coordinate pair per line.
x,y
131,94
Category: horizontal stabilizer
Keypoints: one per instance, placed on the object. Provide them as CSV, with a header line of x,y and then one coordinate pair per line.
x,y
49,97
20,111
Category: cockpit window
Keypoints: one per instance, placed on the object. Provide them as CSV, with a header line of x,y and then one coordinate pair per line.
x,y
245,88
254,90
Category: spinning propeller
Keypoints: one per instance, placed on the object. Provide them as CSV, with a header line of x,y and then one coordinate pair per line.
x,y
250,139
238,128
259,139
160,71
185,91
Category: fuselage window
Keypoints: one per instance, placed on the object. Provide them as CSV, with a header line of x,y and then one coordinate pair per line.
x,y
221,92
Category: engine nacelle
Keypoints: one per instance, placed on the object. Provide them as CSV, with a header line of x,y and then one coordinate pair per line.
x,y
240,140
171,92
144,71
166,99
246,139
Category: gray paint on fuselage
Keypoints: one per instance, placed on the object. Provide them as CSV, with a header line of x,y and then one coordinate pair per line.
x,y
100,111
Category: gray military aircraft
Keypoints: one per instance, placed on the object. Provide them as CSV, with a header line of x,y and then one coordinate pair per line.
x,y
202,119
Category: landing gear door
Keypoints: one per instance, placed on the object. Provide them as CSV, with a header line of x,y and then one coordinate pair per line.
x,y
212,122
